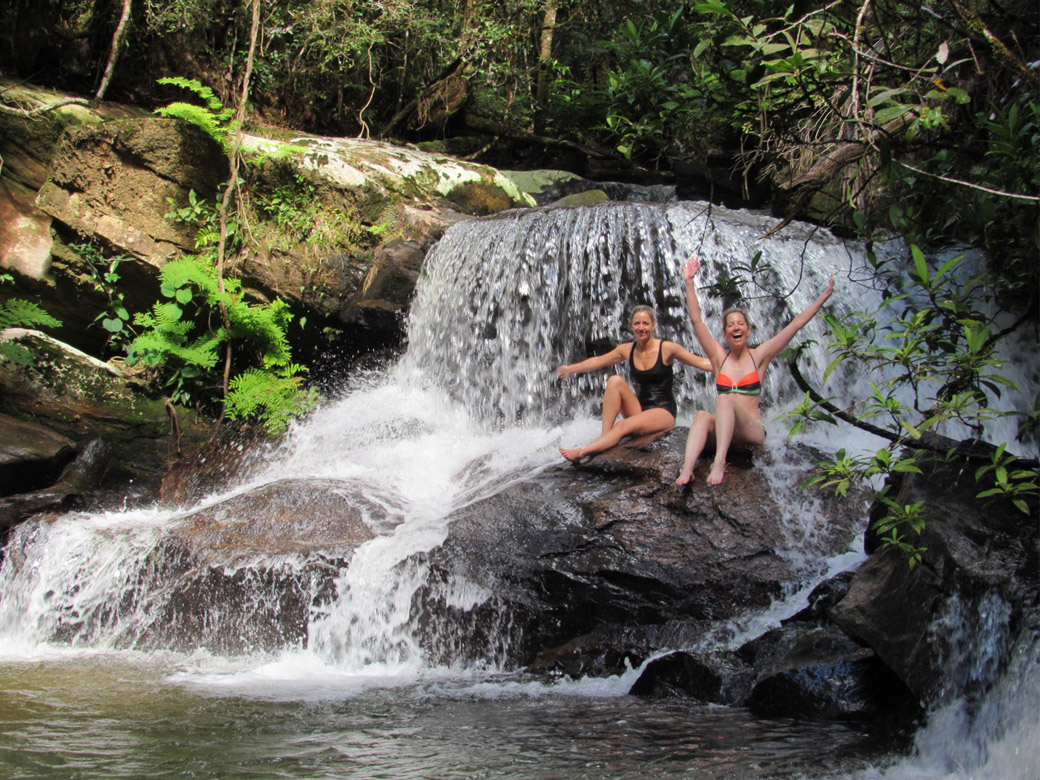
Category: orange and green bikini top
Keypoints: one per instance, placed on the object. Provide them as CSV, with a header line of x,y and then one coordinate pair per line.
x,y
750,384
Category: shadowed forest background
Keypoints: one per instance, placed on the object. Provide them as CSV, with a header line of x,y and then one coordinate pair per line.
x,y
876,118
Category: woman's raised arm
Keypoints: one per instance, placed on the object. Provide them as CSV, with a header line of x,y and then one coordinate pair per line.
x,y
772,347
611,358
711,347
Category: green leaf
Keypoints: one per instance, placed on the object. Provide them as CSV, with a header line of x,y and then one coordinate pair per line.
x,y
920,264
885,96
886,115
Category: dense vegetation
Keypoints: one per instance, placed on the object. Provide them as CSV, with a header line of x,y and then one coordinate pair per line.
x,y
876,113
874,116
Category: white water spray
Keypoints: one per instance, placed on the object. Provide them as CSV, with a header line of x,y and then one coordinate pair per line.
x,y
470,409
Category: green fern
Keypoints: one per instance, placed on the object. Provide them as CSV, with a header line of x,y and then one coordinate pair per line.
x,y
272,398
183,338
213,118
20,313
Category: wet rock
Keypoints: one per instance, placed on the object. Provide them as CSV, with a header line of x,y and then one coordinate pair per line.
x,y
853,685
81,476
587,198
31,456
823,598
978,575
716,678
246,572
289,517
611,649
211,467
613,547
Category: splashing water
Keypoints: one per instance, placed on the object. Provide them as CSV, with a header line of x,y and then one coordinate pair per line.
x,y
473,406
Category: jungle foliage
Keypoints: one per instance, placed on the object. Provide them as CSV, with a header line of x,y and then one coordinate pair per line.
x,y
876,117
875,114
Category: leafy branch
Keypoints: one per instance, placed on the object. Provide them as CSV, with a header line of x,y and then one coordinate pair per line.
x,y
933,352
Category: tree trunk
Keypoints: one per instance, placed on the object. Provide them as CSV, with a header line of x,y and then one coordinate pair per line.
x,y
113,55
544,66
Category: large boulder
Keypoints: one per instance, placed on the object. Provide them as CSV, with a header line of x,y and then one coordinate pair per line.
x,y
111,183
978,576
239,574
283,518
79,398
25,233
107,176
608,559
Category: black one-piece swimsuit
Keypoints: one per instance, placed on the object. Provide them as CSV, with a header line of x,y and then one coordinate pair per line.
x,y
654,386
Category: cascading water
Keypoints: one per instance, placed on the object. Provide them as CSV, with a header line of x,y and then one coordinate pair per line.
x,y
507,299
473,406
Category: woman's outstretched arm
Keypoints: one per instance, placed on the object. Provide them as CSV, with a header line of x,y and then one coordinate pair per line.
x,y
772,347
711,347
611,358
678,352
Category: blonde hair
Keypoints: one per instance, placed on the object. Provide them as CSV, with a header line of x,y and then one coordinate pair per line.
x,y
643,307
735,310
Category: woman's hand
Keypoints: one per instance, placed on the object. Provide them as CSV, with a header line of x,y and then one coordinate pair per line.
x,y
564,371
693,265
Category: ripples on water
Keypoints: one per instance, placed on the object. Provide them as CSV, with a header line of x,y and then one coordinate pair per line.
x,y
105,717
88,713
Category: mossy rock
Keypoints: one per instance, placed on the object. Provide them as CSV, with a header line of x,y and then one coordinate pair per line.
x,y
81,397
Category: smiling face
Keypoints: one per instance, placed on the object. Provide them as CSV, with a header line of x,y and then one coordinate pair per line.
x,y
736,328
642,323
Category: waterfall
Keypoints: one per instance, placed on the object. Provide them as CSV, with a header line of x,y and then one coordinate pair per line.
x,y
473,406
505,300
992,733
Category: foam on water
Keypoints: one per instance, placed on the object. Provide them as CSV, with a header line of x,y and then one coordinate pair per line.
x,y
473,407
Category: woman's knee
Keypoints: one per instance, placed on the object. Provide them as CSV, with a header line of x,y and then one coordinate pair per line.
x,y
703,419
616,382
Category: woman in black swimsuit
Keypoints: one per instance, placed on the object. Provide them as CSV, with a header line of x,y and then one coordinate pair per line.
x,y
737,419
651,407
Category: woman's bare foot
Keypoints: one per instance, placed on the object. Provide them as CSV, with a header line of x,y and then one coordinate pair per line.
x,y
684,478
573,455
718,471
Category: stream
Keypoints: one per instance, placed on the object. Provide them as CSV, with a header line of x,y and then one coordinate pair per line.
x,y
472,406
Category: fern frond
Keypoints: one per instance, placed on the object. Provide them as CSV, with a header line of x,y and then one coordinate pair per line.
x,y
272,398
168,318
185,270
213,118
19,313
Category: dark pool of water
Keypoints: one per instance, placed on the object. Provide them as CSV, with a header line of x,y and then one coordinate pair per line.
x,y
99,718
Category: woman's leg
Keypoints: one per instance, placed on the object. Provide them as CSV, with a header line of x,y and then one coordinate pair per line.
x,y
702,431
618,398
650,421
734,424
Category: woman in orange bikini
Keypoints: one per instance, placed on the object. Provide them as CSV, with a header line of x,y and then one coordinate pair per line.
x,y
650,408
737,419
